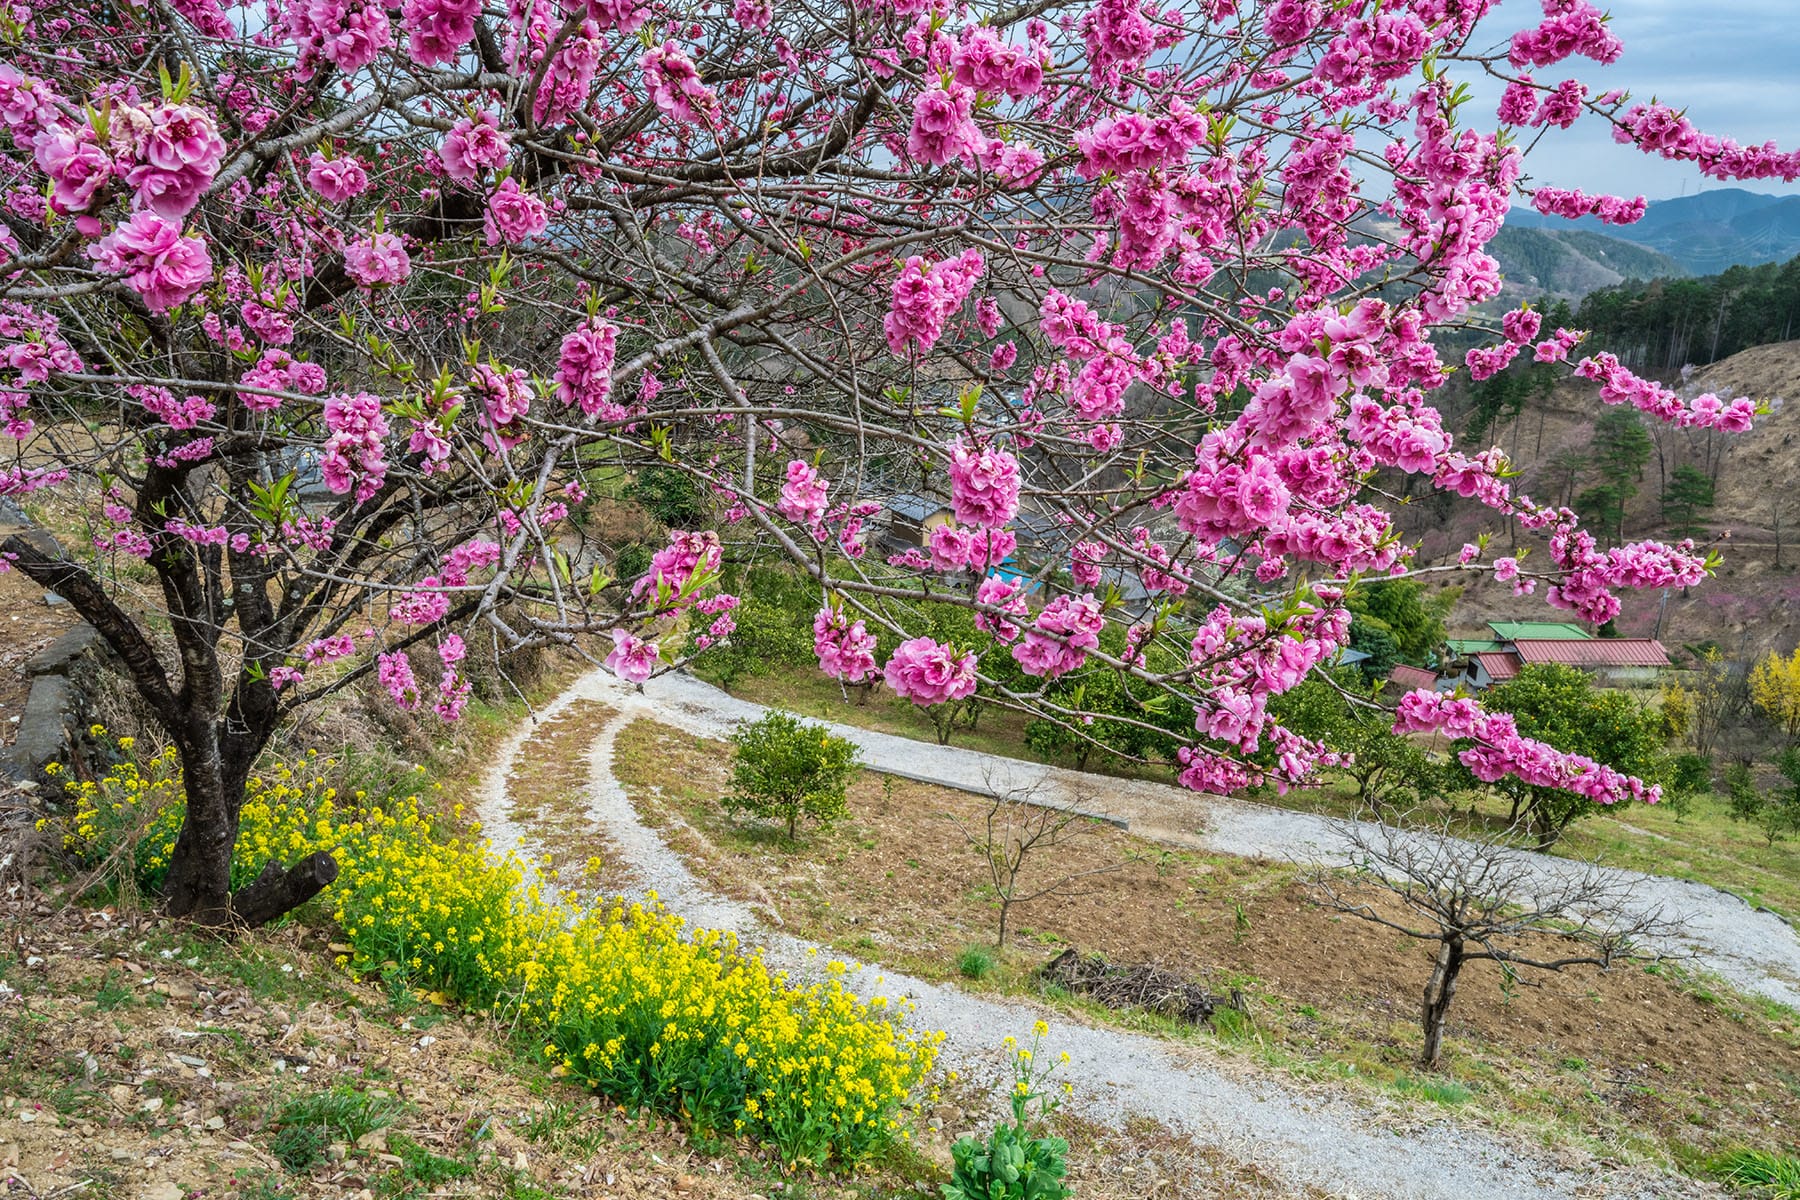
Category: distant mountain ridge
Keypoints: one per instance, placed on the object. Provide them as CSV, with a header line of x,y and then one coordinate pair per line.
x,y
1569,263
1704,234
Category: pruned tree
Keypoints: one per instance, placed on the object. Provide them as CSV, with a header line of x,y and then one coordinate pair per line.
x,y
1484,902
1020,837
1775,812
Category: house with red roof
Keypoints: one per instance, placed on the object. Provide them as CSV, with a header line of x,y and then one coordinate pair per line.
x,y
1519,644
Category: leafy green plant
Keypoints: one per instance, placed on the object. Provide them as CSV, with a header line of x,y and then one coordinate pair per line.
x,y
1447,1092
1762,1171
1013,1163
975,962
307,1125
783,769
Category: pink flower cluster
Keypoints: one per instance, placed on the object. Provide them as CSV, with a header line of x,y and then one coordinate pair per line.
x,y
1501,750
984,485
927,672
178,156
1007,595
675,85
943,126
158,263
379,261
505,401
338,180
802,494
1618,385
1570,27
1222,498
954,548
674,566
1664,131
473,145
437,30
1590,576
355,450
1059,640
845,647
924,298
513,215
584,370
632,659
1139,142
1119,37
453,690
983,63
348,34
1573,203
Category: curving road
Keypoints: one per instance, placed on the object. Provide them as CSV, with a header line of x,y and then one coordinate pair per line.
x,y
1362,1147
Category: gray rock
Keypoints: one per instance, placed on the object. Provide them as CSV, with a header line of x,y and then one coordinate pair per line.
x,y
43,736
61,655
11,513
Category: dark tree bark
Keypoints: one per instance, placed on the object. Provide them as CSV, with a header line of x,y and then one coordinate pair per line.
x,y
277,891
1440,990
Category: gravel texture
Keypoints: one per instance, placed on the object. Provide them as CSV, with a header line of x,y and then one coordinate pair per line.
x,y
1354,1146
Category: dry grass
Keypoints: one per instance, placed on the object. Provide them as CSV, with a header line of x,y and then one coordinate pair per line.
x,y
545,793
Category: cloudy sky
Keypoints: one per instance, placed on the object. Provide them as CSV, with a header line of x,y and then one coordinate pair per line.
x,y
1734,65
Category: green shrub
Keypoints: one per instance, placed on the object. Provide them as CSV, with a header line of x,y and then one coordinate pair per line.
x,y
783,769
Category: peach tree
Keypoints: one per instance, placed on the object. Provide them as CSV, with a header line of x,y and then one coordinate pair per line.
x,y
326,312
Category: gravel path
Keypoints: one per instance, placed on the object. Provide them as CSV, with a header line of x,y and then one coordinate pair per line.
x,y
1320,1138
1754,951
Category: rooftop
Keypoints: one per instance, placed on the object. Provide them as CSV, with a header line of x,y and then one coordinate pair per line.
x,y
1594,652
1412,677
1499,665
1463,647
1512,631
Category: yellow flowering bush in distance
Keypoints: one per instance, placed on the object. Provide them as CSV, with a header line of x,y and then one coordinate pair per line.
x,y
622,996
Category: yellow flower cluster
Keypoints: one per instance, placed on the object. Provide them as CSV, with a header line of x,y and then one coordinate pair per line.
x,y
624,996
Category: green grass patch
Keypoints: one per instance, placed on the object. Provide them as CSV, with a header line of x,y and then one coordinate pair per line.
x,y
975,962
1760,1172
1447,1092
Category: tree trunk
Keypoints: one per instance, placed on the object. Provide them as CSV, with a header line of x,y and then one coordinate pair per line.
x,y
198,885
1440,990
1005,910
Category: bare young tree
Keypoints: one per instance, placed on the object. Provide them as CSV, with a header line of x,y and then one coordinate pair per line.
x,y
1484,901
1017,832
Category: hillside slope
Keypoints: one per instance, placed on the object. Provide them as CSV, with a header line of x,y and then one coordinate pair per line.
x,y
1570,263
1753,604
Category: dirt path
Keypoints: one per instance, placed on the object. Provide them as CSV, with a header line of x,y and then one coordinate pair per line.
x,y
1314,1137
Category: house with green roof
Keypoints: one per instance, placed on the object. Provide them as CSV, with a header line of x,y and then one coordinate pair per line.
x,y
1539,631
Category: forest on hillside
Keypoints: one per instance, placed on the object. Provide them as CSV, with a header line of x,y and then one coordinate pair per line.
x,y
1667,323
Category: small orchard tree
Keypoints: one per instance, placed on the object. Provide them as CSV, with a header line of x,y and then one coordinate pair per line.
x,y
1021,838
784,769
1386,768
1775,813
324,313
1483,902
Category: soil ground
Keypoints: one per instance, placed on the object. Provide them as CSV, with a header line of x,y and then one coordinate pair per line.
x,y
1638,1059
